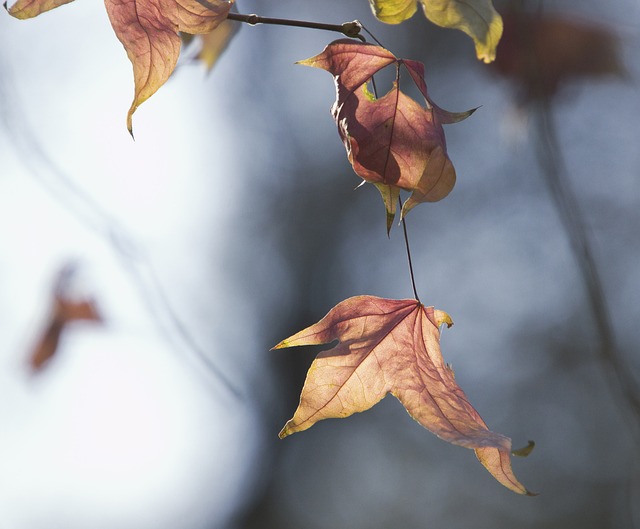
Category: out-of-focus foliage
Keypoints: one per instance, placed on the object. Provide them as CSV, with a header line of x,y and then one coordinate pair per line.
x,y
211,45
65,310
541,52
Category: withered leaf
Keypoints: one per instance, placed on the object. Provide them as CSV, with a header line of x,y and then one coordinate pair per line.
x,y
393,346
392,141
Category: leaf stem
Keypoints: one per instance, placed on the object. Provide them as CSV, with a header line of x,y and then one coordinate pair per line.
x,y
349,29
406,243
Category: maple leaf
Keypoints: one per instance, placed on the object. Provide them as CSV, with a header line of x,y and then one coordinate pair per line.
x,y
149,31
393,142
393,346
476,18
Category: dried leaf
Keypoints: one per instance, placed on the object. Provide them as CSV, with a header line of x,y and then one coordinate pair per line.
x,y
149,31
393,346
391,141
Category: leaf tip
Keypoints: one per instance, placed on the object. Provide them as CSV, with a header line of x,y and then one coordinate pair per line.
x,y
307,62
286,431
130,123
525,450
442,318
390,218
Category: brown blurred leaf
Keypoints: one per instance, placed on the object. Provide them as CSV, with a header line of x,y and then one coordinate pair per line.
x,y
541,52
64,310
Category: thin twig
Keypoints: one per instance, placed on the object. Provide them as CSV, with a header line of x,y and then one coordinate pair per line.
x,y
406,243
349,29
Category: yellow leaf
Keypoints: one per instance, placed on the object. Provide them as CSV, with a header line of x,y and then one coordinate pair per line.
x,y
214,43
393,11
477,18
30,9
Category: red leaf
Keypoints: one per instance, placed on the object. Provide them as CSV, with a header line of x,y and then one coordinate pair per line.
x,y
393,346
391,141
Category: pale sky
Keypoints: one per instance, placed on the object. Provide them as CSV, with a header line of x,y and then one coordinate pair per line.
x,y
124,428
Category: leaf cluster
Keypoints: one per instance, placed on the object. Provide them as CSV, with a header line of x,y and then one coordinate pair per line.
x,y
393,142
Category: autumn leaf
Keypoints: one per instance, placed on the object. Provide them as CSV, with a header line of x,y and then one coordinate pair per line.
x,y
393,346
542,52
392,141
476,18
149,31
64,311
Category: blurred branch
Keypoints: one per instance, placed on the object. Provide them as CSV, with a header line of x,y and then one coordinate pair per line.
x,y
91,214
565,201
540,52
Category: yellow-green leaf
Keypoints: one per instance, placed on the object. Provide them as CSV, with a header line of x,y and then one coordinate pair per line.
x,y
393,11
477,18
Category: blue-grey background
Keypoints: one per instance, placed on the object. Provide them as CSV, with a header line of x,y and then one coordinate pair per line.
x,y
232,222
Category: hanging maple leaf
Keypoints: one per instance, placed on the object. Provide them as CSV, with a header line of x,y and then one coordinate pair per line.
x,y
149,31
476,18
392,142
393,346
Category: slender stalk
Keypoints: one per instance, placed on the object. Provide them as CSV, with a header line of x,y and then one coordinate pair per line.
x,y
556,179
406,243
349,29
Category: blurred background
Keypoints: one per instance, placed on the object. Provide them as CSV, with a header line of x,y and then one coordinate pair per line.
x,y
232,222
